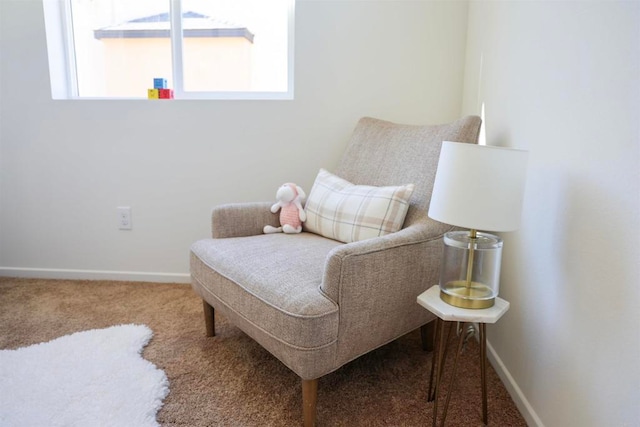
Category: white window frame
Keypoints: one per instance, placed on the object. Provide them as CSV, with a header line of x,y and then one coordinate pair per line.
x,y
64,81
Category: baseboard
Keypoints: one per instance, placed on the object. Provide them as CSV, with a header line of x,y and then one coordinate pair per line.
x,y
129,276
514,391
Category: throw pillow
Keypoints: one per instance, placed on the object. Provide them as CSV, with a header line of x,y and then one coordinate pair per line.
x,y
340,210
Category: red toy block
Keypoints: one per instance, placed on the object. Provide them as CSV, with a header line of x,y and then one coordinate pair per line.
x,y
165,93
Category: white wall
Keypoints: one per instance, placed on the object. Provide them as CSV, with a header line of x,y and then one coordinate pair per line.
x,y
66,165
562,79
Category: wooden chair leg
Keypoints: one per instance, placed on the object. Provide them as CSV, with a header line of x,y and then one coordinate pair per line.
x,y
209,319
309,399
427,334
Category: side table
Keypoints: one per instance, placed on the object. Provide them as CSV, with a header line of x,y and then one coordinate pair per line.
x,y
430,299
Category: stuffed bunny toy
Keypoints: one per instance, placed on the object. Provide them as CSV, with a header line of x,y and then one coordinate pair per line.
x,y
289,201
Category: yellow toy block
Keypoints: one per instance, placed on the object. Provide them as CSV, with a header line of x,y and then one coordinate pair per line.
x,y
153,94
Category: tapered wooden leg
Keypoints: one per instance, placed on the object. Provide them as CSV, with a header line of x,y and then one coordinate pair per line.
x,y
427,334
309,398
209,319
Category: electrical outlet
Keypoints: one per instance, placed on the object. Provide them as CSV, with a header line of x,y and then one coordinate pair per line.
x,y
124,218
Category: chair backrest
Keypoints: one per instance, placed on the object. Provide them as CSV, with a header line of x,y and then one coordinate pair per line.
x,y
382,153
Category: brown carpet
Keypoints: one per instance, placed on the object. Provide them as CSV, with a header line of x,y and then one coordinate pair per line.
x,y
229,380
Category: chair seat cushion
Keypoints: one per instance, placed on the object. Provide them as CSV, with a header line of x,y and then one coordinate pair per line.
x,y
272,281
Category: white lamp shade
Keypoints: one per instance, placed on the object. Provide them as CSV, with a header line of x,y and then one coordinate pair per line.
x,y
479,186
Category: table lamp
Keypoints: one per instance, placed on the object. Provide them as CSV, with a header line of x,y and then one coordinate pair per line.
x,y
477,187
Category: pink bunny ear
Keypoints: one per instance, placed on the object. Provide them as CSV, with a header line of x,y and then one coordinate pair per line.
x,y
293,187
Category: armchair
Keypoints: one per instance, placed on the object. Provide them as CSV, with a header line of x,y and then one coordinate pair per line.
x,y
317,303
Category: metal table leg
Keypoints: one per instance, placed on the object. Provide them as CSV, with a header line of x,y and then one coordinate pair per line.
x,y
453,376
483,371
438,367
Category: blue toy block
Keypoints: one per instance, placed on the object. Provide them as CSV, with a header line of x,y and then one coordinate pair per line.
x,y
159,83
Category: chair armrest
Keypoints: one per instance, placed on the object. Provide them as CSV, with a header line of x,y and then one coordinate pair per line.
x,y
376,282
413,238
242,219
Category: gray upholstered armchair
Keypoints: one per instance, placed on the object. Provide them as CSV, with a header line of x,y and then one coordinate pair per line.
x,y
316,303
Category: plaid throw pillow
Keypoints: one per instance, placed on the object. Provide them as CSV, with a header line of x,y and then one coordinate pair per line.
x,y
342,211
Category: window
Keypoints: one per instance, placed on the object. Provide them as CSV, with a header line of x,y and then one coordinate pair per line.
x,y
205,49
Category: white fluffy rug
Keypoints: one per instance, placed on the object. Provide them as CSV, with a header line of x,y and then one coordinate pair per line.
x,y
90,378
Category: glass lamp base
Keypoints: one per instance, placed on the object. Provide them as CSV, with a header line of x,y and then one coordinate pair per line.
x,y
470,270
458,294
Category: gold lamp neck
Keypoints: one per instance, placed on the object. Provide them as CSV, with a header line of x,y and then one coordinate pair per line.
x,y
473,235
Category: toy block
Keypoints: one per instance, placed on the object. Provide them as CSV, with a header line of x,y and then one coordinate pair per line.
x,y
165,93
153,94
159,83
